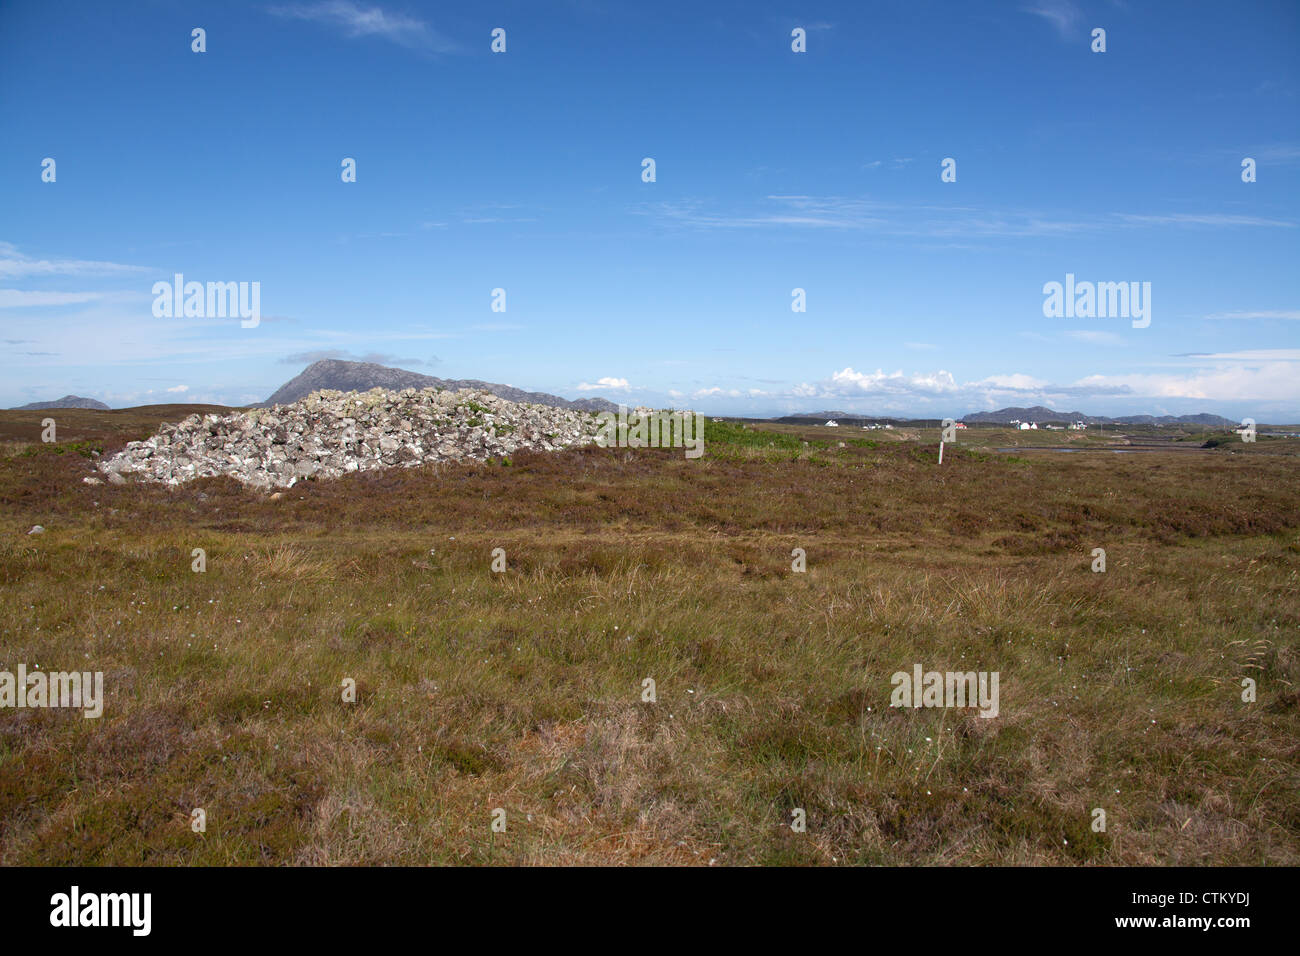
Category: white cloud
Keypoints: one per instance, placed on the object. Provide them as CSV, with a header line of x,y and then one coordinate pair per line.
x,y
179,388
850,382
1261,375
608,382
1264,382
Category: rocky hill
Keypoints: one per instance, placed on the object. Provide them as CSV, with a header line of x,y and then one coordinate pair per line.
x,y
340,376
330,433
67,401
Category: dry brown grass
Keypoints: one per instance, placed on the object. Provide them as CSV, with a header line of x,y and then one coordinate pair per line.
x,y
522,690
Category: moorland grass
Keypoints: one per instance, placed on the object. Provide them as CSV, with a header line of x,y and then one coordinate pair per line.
x,y
523,690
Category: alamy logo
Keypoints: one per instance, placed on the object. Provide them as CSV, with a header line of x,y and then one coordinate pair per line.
x,y
103,909
946,689
646,428
53,689
1098,300
217,300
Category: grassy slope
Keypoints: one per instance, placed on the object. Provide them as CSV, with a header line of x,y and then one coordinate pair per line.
x,y
522,690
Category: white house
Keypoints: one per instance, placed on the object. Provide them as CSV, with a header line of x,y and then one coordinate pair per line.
x,y
833,424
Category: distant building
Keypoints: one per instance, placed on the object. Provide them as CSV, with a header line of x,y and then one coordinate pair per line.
x,y
833,424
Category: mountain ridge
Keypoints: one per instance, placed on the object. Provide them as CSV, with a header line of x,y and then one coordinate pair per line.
x,y
67,401
1034,413
343,376
1040,413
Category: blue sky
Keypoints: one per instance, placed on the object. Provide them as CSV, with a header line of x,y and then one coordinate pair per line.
x,y
775,170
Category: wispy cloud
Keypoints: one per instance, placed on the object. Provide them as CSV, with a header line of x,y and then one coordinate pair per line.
x,y
920,220
1061,14
22,298
480,220
1279,155
361,21
832,212
1280,314
14,264
1095,336
1205,219
1249,355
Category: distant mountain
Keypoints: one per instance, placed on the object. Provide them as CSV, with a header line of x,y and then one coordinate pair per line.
x,y
1005,416
1040,414
821,415
67,401
1204,418
1035,414
851,419
362,376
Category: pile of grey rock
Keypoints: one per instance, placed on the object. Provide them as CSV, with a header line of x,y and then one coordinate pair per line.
x,y
328,434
